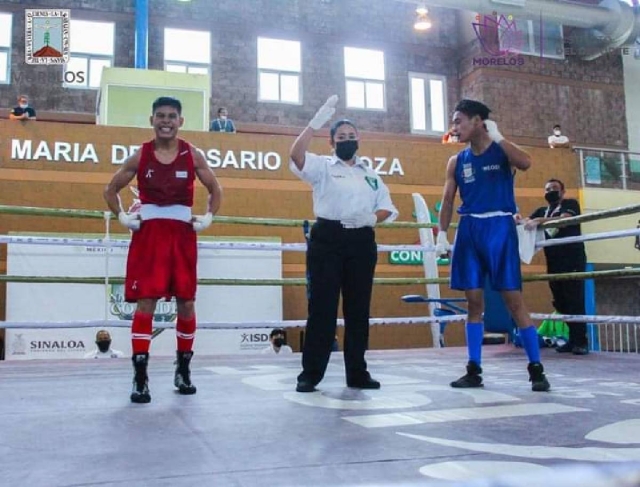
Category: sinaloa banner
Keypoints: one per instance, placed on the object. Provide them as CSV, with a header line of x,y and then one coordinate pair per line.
x,y
28,344
34,302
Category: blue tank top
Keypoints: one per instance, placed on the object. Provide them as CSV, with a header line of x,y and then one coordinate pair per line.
x,y
485,181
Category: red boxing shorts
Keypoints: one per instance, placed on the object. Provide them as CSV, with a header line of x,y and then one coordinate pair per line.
x,y
162,261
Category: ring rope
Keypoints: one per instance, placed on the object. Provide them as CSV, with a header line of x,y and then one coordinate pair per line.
x,y
95,214
632,232
122,243
293,281
237,220
595,215
291,247
412,320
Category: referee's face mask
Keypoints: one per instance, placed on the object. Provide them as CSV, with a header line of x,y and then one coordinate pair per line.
x,y
344,139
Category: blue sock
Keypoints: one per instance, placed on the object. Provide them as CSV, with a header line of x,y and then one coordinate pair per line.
x,y
530,343
475,333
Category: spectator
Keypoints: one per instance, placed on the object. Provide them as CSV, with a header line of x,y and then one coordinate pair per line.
x,y
222,123
23,111
568,295
104,350
278,344
557,139
450,137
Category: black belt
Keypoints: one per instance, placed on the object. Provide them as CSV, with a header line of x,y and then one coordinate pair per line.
x,y
337,225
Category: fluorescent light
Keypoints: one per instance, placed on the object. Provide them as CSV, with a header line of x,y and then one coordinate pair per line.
x,y
422,22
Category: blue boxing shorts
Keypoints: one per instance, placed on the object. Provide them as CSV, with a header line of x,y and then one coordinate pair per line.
x,y
486,246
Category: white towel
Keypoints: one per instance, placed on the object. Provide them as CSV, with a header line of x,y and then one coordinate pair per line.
x,y
527,240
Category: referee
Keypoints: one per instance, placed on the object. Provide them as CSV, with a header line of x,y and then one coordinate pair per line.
x,y
349,198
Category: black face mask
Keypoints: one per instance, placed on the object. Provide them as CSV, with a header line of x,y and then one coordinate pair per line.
x,y
103,345
346,149
552,197
278,342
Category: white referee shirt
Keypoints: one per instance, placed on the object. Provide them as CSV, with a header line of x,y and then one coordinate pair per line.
x,y
341,191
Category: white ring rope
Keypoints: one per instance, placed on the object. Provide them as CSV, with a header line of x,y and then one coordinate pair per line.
x,y
107,238
590,237
413,320
100,243
292,247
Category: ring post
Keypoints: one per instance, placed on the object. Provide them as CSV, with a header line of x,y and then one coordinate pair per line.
x,y
590,309
107,251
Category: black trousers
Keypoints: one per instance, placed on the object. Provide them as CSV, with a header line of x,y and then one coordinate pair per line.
x,y
338,260
568,298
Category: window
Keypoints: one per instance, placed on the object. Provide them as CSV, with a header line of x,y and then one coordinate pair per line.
x,y
428,95
279,67
5,47
187,51
536,39
91,46
364,76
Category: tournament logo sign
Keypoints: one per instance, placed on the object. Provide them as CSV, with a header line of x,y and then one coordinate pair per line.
x,y
166,311
499,37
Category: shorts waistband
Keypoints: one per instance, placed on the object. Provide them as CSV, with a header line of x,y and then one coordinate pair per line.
x,y
489,214
171,212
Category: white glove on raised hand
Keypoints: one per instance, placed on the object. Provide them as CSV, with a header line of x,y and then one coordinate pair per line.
x,y
130,220
200,222
325,113
442,244
492,130
360,221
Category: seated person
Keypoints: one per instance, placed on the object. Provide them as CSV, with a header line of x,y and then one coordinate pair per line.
x,y
23,111
557,139
222,123
278,343
104,350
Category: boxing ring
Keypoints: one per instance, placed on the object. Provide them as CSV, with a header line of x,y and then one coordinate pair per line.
x,y
70,423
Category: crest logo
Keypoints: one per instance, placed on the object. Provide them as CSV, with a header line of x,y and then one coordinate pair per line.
x,y
373,182
19,345
46,36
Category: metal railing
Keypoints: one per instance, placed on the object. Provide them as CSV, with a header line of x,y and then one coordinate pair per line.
x,y
609,168
618,337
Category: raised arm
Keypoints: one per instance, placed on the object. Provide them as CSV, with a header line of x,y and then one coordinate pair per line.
x,y
517,157
301,144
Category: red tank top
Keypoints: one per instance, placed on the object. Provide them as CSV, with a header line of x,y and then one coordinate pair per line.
x,y
166,184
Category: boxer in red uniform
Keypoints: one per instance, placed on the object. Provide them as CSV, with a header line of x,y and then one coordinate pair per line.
x,y
163,253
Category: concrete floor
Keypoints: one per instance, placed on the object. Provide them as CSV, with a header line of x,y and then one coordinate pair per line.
x,y
70,423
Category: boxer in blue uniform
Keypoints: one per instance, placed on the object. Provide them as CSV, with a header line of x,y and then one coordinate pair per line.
x,y
486,243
